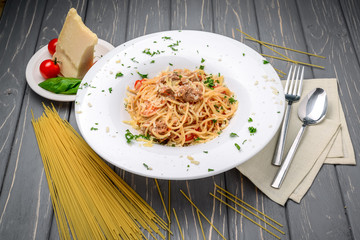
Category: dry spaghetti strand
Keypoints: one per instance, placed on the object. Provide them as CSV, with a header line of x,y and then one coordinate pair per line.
x,y
293,61
283,57
193,204
178,223
89,199
248,205
222,201
286,48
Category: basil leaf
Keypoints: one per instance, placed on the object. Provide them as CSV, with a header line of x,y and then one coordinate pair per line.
x,y
61,85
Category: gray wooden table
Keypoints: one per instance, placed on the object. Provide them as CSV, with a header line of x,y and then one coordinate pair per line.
x,y
331,208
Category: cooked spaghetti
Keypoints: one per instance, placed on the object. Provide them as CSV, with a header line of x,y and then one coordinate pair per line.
x,y
181,107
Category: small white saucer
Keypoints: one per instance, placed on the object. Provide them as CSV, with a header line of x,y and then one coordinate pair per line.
x,y
33,76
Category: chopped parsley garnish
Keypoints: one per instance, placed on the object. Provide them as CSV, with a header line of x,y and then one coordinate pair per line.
x,y
205,152
170,64
166,38
202,60
233,135
119,74
201,67
214,120
142,75
250,119
237,146
197,139
93,129
133,59
129,136
148,52
232,100
210,170
153,61
147,167
265,62
110,90
252,130
172,46
209,82
243,54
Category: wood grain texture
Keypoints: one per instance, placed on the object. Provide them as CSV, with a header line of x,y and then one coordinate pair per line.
x,y
350,10
25,195
290,32
331,208
17,41
192,15
326,29
108,19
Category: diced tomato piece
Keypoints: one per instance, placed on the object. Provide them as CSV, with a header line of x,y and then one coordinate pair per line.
x,y
189,137
138,84
149,109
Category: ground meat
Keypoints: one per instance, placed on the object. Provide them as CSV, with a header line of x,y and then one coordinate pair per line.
x,y
166,91
160,127
189,94
174,76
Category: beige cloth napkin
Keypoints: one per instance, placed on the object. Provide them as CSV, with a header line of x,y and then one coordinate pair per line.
x,y
328,142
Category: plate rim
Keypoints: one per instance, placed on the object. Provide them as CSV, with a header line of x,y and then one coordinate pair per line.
x,y
125,45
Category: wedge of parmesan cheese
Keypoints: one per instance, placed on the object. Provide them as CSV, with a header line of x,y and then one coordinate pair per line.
x,y
75,47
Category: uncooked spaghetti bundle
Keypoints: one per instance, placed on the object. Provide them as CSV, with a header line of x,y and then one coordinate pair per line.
x,y
90,200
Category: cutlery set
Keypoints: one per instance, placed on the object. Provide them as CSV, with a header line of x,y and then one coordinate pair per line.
x,y
312,110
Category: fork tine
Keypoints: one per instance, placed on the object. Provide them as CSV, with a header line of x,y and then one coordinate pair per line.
x,y
296,80
288,80
301,81
291,88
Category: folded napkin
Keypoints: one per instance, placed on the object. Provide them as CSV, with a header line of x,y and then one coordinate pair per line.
x,y
325,143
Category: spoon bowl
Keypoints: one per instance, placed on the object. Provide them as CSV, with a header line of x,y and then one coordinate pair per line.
x,y
312,110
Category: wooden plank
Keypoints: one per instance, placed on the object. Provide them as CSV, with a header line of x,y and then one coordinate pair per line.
x,y
25,201
350,9
330,31
17,48
108,20
323,199
231,16
192,15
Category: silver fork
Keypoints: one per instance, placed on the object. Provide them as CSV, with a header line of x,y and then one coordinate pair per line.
x,y
292,90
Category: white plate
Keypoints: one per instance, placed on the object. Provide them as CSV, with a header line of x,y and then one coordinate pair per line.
x,y
100,111
33,76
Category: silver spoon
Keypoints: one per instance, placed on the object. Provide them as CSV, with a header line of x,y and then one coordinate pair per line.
x,y
312,110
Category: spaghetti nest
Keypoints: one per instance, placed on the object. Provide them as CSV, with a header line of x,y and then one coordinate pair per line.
x,y
181,107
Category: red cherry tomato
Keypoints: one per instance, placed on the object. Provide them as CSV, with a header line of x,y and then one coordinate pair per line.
x,y
52,46
49,68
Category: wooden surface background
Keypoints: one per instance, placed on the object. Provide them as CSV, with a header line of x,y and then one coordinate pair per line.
x,y
331,208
